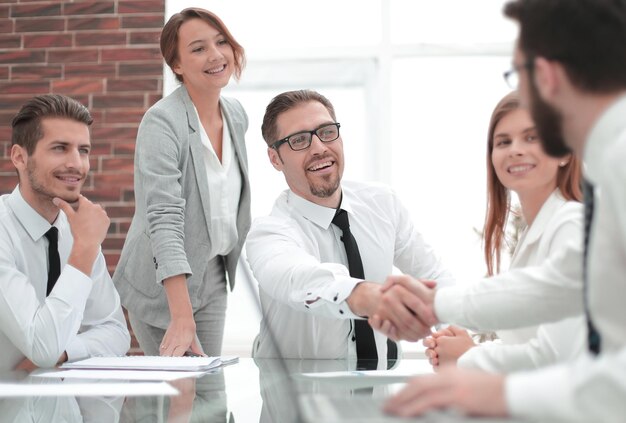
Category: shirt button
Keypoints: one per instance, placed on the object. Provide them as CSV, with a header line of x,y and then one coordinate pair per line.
x,y
156,265
353,338
340,311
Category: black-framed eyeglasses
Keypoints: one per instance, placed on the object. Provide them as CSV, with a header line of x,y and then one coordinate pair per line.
x,y
511,77
302,140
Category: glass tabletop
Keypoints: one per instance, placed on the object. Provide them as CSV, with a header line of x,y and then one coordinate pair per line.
x,y
261,390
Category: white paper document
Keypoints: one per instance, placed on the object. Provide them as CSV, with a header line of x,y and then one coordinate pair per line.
x,y
116,374
140,362
8,390
227,360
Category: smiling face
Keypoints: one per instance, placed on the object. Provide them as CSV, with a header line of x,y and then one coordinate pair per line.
x,y
205,58
518,157
315,173
57,167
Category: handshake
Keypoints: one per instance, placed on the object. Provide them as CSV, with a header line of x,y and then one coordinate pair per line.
x,y
405,308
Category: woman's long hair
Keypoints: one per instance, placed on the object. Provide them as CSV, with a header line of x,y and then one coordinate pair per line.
x,y
568,181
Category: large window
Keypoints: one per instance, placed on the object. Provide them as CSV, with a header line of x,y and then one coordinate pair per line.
x,y
413,83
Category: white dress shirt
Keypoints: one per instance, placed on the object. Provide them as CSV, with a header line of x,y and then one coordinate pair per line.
x,y
593,388
224,178
81,316
300,263
557,223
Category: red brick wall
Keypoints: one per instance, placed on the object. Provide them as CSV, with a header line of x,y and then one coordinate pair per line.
x,y
103,53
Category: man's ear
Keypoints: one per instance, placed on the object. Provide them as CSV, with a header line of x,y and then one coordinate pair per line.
x,y
548,75
19,157
275,159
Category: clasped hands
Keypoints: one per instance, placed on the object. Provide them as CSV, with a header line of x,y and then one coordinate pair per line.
x,y
405,310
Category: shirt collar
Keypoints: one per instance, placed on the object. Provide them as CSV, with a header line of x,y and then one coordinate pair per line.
x,y
546,212
32,222
603,135
322,216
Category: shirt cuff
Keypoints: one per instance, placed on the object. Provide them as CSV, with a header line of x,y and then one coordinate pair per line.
x,y
540,394
333,297
76,350
73,287
467,360
170,269
448,304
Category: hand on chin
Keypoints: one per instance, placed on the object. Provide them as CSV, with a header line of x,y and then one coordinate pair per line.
x,y
71,199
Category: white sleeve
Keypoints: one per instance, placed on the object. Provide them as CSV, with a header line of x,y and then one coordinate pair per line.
x,y
41,332
588,390
501,358
103,331
519,297
291,273
553,342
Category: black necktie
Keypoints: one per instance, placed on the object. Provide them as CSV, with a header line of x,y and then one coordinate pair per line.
x,y
365,343
593,336
54,262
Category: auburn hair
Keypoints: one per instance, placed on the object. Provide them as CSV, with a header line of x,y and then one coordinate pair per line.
x,y
169,38
568,181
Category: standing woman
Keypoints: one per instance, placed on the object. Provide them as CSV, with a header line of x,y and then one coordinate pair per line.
x,y
549,193
192,195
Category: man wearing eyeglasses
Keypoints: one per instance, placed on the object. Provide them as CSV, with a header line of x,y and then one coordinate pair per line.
x,y
321,255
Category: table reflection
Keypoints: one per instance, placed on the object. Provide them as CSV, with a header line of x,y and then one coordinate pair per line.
x,y
200,400
57,409
280,385
261,390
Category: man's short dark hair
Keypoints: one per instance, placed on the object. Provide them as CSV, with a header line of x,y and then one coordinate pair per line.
x,y
587,36
27,123
287,101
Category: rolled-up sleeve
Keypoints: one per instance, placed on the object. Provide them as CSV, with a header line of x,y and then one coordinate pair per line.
x,y
157,170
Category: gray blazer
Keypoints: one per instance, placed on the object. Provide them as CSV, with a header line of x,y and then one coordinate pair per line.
x,y
169,234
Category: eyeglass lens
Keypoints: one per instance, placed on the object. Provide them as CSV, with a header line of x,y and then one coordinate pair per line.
x,y
325,134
